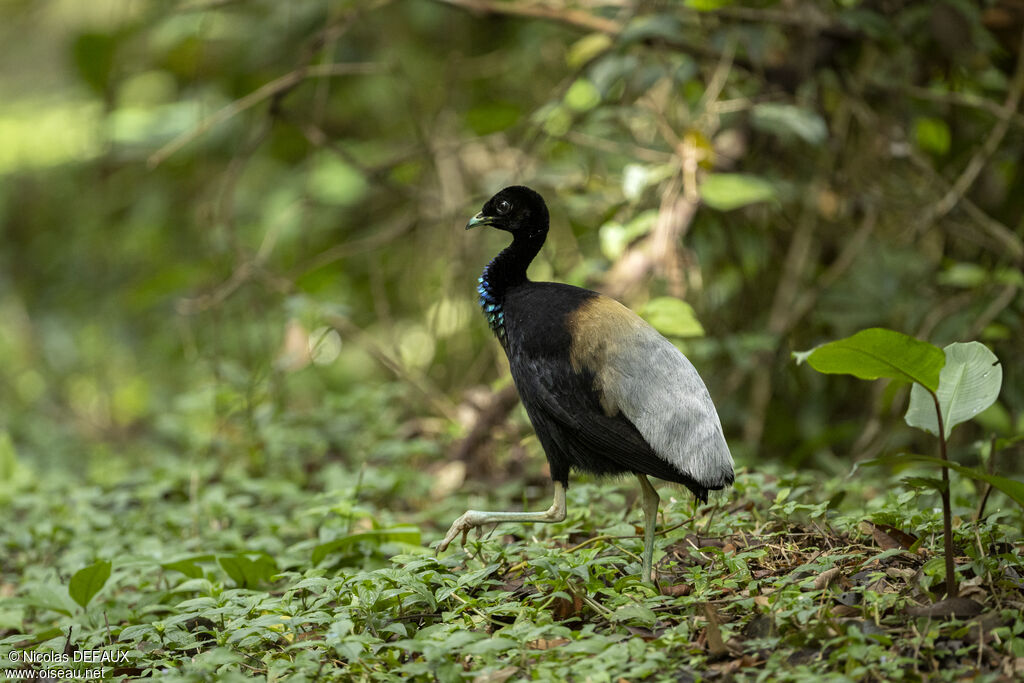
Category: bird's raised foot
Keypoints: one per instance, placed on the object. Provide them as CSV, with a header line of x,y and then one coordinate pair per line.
x,y
478,518
462,525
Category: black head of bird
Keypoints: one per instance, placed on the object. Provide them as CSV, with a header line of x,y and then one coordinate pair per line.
x,y
605,392
517,209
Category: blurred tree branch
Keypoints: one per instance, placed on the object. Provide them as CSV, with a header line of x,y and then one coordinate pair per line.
x,y
571,17
275,88
970,173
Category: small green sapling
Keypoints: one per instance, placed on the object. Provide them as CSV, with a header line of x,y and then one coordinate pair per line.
x,y
949,386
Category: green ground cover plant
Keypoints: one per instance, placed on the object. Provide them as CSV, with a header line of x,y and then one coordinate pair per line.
x,y
948,387
208,572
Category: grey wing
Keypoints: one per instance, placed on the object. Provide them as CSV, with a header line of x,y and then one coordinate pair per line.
x,y
657,388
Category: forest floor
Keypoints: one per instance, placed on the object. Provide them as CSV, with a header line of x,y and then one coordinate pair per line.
x,y
206,572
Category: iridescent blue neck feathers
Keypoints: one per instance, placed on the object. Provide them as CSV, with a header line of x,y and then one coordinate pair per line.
x,y
490,302
506,271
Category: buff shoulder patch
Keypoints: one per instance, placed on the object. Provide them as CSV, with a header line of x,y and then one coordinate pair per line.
x,y
600,329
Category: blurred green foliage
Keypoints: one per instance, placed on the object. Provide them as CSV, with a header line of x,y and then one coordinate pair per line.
x,y
239,334
196,193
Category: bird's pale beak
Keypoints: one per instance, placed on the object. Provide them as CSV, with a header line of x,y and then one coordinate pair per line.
x,y
479,219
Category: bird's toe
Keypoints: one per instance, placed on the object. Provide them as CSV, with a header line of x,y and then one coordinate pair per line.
x,y
462,525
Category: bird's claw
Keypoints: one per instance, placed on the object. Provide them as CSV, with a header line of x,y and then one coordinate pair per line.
x,y
462,525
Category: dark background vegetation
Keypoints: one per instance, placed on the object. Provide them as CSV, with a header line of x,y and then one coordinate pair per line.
x,y
231,232
184,181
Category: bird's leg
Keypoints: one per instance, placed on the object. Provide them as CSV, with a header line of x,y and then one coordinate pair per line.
x,y
650,505
476,518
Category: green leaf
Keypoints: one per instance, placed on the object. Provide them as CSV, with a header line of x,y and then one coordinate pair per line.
x,y
615,237
968,384
932,135
404,534
492,117
672,317
653,28
557,120
94,54
486,646
964,275
787,120
925,483
876,353
586,48
248,573
728,191
638,177
235,567
582,95
189,565
88,581
634,612
707,5
1011,487
48,597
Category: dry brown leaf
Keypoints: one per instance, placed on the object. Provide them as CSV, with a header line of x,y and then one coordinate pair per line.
x,y
644,634
713,634
890,538
974,581
731,666
677,590
695,541
825,578
499,676
547,643
1017,667
562,609
846,611
903,573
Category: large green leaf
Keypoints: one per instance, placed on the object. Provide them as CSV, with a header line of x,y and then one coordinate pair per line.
x,y
189,565
87,582
248,573
968,384
728,191
876,353
672,317
1011,487
94,55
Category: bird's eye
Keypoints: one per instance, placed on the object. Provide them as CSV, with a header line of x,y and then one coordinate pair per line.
x,y
503,207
